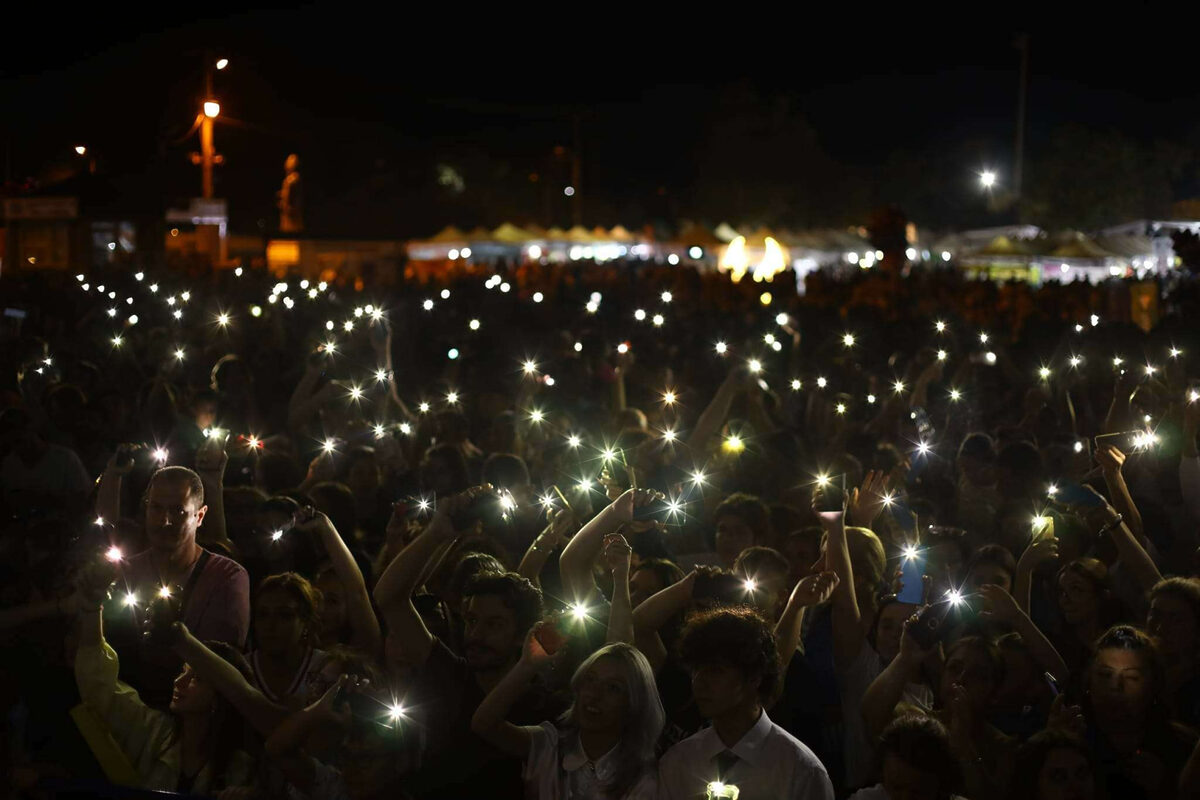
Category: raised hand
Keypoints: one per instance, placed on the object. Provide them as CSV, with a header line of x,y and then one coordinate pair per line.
x,y
814,589
94,581
535,654
121,461
1066,717
1110,459
211,457
1037,553
624,505
617,554
999,605
331,706
866,502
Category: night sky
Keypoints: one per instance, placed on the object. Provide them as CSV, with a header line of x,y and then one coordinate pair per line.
x,y
353,93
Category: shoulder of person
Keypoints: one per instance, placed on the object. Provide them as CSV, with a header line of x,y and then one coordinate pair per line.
x,y
223,565
780,738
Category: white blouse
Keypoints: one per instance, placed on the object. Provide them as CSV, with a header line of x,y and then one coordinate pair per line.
x,y
558,769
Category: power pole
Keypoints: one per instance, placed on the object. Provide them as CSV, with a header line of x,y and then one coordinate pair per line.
x,y
576,173
206,134
1022,44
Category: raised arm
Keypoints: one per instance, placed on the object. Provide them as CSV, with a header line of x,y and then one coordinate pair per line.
x,y
655,611
363,623
880,699
263,715
810,590
847,620
1111,460
285,744
395,588
580,554
211,460
543,545
1189,462
617,553
1130,552
713,416
1039,551
108,496
1003,606
489,720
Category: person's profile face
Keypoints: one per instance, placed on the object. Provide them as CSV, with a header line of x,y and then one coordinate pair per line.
x,y
905,782
490,636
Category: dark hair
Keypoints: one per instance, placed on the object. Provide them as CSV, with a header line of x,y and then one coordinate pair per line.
x,y
987,648
516,592
279,472
755,560
468,566
978,446
454,462
307,596
195,486
749,509
667,571
1033,754
784,519
1135,640
1020,458
994,554
1184,589
922,743
337,502
505,471
737,636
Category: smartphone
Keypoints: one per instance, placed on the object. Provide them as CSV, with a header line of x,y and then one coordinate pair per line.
x,y
1073,494
657,510
15,313
1125,441
921,418
566,504
931,625
833,495
1052,682
912,576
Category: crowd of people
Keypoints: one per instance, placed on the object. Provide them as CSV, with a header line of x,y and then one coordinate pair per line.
x,y
598,531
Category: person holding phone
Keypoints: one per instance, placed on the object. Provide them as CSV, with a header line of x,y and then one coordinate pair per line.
x,y
604,745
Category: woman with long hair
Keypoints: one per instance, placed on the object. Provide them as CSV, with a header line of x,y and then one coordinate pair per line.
x,y
286,624
603,746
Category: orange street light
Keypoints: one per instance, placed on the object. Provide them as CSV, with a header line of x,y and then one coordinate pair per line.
x,y
211,108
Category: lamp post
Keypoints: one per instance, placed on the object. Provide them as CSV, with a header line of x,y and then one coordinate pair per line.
x,y
212,109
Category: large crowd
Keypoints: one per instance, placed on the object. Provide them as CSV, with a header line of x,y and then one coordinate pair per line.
x,y
598,531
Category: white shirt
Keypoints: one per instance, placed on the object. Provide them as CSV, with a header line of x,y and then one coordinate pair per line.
x,y
559,769
772,765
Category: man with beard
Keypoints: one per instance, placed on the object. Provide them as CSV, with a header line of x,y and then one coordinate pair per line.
x,y
213,591
498,609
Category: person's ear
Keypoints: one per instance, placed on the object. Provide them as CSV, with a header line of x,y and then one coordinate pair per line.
x,y
200,515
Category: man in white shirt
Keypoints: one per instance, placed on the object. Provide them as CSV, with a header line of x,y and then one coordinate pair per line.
x,y
732,655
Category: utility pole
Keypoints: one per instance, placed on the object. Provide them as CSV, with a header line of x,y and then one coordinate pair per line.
x,y
206,134
576,173
1022,44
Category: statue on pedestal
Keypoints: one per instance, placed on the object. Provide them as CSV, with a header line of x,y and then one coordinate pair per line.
x,y
291,197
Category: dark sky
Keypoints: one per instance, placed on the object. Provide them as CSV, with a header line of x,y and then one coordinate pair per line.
x,y
342,86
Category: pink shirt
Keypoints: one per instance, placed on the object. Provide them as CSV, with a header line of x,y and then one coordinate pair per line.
x,y
218,608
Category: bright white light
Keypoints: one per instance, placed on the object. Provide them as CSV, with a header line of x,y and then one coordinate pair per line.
x,y
955,597
840,408
379,431
983,338
910,253
579,611
923,448
573,441
1051,490
211,108
658,320
452,353
1095,320
130,599
504,287
427,305
535,252
222,319
668,397
585,485
672,259
941,355
749,584
328,445
164,592
1118,361
452,398
1193,396
465,252
781,319
1075,361
640,314
623,348
113,553
987,179
1044,373
695,252
112,312
423,408
955,395
910,551
898,387
796,384
1151,369
848,340
591,307
222,63
117,341
608,454
871,399
698,478
1175,353
276,535
160,454
538,297
1078,446
822,382
473,325
720,347
754,365
381,375
154,287
405,428
356,393
395,712
569,191
945,255
348,326
452,254
536,415
668,435
238,272
990,357
445,294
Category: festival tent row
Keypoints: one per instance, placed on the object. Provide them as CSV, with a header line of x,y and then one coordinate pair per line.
x,y
1070,255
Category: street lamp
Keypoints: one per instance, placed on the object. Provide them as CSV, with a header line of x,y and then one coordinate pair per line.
x,y
211,109
222,63
80,150
987,179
